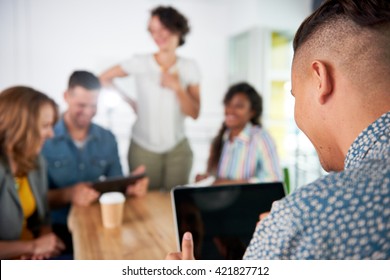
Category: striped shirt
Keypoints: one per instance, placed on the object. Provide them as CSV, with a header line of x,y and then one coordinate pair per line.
x,y
251,155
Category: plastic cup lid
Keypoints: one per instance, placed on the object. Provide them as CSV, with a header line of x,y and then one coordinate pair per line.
x,y
112,197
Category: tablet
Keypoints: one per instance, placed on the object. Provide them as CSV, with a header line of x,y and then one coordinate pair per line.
x,y
222,219
118,184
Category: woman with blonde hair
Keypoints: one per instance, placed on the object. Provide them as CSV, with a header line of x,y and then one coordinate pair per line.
x,y
26,120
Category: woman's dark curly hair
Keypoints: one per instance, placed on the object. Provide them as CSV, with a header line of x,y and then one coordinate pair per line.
x,y
257,109
173,21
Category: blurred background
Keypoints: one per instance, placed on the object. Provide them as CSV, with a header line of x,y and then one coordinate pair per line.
x,y
43,41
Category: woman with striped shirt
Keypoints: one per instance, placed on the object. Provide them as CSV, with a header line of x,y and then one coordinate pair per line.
x,y
243,151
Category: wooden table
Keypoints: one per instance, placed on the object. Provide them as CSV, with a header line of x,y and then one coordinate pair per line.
x,y
147,231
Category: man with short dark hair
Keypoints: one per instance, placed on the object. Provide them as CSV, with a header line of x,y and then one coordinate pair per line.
x,y
80,153
340,81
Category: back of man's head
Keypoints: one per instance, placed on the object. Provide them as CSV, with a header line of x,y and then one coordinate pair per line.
x,y
84,79
355,33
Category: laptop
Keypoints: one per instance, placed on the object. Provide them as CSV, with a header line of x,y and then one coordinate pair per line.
x,y
222,219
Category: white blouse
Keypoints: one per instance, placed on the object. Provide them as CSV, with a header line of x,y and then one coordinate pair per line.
x,y
160,122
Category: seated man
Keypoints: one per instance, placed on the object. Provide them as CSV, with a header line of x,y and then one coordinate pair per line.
x,y
340,81
81,152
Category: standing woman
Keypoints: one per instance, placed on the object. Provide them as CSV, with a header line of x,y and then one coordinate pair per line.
x,y
26,120
167,92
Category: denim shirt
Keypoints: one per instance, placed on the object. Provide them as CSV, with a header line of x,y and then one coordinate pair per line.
x,y
68,165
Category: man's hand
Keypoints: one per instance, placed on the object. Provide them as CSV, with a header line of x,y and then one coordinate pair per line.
x,y
262,216
140,188
83,194
187,246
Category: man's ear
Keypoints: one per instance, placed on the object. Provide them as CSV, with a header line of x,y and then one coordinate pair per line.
x,y
66,95
323,80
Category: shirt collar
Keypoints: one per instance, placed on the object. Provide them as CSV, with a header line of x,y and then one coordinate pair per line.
x,y
377,131
243,136
61,131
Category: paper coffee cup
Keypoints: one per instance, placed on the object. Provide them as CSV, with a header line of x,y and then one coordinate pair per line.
x,y
111,205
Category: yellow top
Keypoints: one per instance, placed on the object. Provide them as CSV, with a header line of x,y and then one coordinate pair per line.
x,y
27,201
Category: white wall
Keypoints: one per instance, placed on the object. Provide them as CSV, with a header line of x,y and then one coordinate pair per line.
x,y
275,14
47,39
43,41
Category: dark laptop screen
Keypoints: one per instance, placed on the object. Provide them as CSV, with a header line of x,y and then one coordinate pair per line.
x,y
222,219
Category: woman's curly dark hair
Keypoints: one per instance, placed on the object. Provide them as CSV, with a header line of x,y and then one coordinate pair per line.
x,y
173,21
